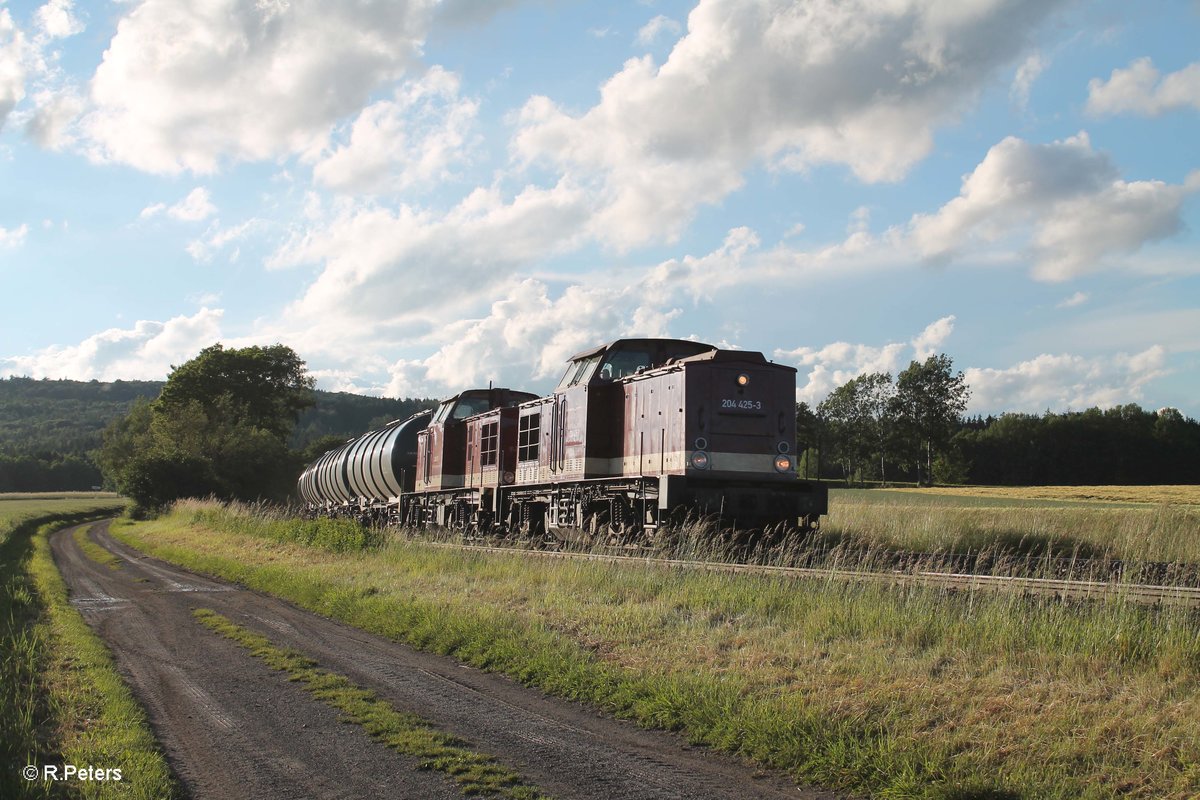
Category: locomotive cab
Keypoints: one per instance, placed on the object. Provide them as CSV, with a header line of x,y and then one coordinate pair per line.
x,y
441,447
579,427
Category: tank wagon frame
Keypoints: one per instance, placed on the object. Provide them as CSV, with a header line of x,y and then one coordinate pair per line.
x,y
638,432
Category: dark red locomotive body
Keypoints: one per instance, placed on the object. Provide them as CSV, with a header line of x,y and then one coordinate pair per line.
x,y
638,432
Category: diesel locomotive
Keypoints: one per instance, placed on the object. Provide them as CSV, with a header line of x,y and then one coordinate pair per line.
x,y
638,433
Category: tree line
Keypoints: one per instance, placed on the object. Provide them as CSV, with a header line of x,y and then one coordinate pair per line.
x,y
51,430
912,429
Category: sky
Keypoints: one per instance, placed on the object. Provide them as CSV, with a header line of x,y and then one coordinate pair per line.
x,y
420,197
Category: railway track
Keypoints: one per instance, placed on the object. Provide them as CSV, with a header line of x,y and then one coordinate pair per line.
x,y
1142,593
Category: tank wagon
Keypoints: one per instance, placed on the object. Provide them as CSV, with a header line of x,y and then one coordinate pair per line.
x,y
638,432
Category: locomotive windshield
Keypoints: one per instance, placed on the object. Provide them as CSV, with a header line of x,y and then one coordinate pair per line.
x,y
630,357
625,362
627,357
477,401
470,406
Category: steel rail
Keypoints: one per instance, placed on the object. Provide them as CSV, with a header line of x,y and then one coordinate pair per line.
x,y
1142,593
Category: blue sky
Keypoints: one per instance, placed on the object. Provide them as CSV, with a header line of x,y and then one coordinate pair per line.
x,y
422,196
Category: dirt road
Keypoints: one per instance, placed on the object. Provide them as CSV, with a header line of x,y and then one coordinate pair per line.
x,y
232,728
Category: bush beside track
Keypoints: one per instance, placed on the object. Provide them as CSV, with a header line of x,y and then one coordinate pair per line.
x,y
61,698
891,692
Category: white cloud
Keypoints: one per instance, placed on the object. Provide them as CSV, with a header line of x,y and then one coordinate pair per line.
x,y
780,83
1050,381
832,365
1061,382
193,208
145,351
1138,89
184,86
386,270
218,238
656,27
52,123
197,206
414,138
1077,299
1064,201
56,19
12,65
529,326
1023,81
14,237
527,337
929,341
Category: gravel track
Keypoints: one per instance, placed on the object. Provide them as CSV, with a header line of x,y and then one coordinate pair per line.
x,y
232,728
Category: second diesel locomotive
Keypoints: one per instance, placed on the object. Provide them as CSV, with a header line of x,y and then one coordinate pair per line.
x,y
637,433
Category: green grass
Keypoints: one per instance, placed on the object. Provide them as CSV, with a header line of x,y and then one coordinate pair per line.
x,y
406,733
61,699
888,692
94,551
269,522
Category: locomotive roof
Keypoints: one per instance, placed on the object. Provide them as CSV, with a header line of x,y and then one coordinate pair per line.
x,y
604,347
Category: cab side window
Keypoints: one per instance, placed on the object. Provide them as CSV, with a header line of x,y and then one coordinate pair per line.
x,y
529,431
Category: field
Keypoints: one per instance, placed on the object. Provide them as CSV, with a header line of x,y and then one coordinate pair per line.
x,y
1139,523
887,692
61,700
1186,494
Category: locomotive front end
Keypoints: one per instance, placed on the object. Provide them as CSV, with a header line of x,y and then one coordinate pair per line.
x,y
739,436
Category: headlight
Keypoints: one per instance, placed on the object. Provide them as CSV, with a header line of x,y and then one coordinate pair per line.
x,y
700,459
743,379
783,463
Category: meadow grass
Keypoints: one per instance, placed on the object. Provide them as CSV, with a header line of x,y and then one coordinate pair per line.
x,y
1176,494
61,699
967,521
892,692
406,733
94,551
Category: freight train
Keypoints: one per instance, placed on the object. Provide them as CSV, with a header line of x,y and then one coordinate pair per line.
x,y
637,434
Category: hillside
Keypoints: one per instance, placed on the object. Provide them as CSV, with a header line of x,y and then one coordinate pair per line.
x,y
48,427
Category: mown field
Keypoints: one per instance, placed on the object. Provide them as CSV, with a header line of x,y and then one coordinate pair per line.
x,y
882,692
1137,523
61,699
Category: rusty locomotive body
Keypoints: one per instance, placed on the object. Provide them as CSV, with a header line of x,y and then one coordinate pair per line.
x,y
637,433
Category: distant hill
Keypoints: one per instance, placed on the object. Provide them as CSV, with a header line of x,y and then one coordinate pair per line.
x,y
48,427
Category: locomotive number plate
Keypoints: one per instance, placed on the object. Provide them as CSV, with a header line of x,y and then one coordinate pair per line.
x,y
746,406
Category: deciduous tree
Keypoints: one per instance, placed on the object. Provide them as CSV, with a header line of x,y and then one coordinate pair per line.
x,y
219,427
928,405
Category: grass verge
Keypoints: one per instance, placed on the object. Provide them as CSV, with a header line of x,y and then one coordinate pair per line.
x,y
94,551
893,693
61,699
475,773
